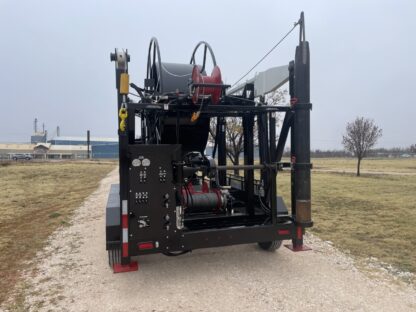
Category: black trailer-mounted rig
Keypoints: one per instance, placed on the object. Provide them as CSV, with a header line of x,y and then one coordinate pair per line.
x,y
172,198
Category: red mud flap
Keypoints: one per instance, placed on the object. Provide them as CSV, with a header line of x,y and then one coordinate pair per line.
x,y
121,268
298,248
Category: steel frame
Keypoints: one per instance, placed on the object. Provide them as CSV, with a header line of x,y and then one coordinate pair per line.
x,y
240,228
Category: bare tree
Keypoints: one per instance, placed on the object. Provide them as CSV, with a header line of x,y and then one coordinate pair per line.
x,y
361,135
277,97
234,130
234,138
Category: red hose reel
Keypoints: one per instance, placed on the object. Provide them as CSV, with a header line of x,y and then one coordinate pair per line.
x,y
206,85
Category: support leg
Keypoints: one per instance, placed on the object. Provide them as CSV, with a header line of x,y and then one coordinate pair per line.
x,y
297,243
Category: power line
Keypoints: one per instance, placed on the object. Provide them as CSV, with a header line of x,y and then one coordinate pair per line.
x,y
267,54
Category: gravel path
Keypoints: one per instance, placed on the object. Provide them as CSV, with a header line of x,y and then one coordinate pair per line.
x,y
72,274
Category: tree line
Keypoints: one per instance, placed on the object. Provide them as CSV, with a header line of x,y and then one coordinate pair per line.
x,y
375,152
359,140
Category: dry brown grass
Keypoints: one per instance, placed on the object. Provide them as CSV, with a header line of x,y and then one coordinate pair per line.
x,y
36,198
371,215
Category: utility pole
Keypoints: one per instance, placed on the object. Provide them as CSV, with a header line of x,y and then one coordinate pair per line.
x,y
88,144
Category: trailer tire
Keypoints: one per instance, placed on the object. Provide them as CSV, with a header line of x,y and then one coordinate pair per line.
x,y
114,256
270,246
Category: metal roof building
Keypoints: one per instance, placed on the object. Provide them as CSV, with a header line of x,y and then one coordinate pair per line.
x,y
82,140
63,148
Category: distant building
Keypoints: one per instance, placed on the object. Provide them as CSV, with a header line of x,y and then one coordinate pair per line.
x,y
105,151
8,149
81,140
63,148
99,147
38,137
41,149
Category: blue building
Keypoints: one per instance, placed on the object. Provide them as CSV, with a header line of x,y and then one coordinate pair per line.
x,y
38,137
99,147
105,151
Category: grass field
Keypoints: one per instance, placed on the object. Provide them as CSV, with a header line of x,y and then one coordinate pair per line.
x,y
371,216
36,198
387,165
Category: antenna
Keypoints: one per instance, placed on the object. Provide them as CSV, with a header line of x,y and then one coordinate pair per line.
x,y
35,125
58,131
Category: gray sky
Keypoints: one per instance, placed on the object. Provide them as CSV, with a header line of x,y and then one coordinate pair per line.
x,y
55,61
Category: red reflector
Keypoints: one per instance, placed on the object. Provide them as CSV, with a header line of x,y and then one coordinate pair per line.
x,y
283,232
125,249
147,245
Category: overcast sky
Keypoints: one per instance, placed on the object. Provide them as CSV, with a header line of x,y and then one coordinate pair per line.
x,y
55,61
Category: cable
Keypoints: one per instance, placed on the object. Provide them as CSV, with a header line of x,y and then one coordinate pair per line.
x,y
241,99
263,206
172,74
267,54
195,115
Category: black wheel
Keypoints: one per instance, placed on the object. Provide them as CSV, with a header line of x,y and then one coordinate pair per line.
x,y
114,256
270,246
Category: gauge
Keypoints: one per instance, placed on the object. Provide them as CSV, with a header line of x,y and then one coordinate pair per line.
x,y
146,162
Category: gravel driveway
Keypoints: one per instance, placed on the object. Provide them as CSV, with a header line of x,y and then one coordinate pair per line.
x,y
72,274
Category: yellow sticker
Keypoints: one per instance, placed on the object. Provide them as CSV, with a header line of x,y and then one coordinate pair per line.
x,y
124,83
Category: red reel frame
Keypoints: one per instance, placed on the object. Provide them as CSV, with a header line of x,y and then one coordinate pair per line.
x,y
199,79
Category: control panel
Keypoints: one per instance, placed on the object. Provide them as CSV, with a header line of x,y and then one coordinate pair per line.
x,y
152,196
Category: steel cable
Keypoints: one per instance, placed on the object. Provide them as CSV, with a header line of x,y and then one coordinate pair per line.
x,y
267,54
